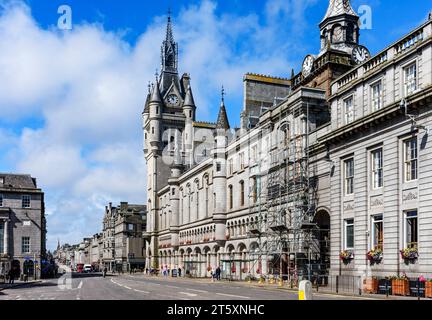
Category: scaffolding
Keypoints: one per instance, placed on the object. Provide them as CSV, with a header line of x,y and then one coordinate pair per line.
x,y
284,202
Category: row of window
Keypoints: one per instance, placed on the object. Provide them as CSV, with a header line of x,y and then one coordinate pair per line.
x,y
376,93
377,231
25,201
410,167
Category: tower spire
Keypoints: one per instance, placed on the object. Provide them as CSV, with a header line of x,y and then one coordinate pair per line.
x,y
339,7
222,122
169,37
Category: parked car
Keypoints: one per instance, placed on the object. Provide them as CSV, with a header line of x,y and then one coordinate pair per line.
x,y
88,268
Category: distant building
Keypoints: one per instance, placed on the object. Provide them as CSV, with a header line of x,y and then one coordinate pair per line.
x,y
22,223
123,244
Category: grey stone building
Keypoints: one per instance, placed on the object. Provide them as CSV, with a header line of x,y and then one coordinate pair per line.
x,y
343,148
123,243
22,224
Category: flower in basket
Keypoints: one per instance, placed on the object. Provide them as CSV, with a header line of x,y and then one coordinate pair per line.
x,y
422,279
209,269
409,253
375,256
346,255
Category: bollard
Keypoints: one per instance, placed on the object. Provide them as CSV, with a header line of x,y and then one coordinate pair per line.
x,y
305,290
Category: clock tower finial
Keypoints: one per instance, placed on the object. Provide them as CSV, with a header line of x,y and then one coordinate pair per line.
x,y
340,27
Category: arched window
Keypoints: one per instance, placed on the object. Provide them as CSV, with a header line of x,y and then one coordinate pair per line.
x,y
197,217
242,193
206,183
230,197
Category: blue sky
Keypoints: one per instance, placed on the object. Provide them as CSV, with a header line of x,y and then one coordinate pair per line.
x,y
71,100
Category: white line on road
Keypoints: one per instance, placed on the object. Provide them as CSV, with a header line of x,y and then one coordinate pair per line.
x,y
173,287
232,296
126,287
188,294
141,291
80,285
195,290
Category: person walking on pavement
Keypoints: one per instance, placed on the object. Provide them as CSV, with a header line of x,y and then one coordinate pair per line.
x,y
179,272
104,272
218,273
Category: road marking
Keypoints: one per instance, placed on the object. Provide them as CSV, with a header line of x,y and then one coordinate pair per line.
x,y
195,290
127,287
188,294
141,291
173,287
232,296
80,285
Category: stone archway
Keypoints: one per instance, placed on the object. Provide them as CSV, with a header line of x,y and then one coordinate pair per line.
x,y
322,219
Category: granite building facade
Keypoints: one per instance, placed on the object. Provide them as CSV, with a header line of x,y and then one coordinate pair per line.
x,y
362,122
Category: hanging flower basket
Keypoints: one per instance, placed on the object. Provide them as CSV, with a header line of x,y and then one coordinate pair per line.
x,y
227,237
410,255
375,256
209,269
346,256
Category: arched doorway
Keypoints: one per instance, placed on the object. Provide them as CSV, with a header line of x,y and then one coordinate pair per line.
x,y
322,219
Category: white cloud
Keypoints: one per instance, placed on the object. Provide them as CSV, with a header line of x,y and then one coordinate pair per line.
x,y
89,86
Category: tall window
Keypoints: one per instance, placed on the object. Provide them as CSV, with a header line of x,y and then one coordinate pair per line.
x,y
254,190
349,234
207,197
197,201
254,153
378,232
25,246
2,231
376,90
377,169
26,201
242,162
410,79
242,193
411,230
230,197
1,200
349,110
349,176
230,167
411,159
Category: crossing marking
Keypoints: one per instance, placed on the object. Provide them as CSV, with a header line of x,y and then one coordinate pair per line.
x,y
80,285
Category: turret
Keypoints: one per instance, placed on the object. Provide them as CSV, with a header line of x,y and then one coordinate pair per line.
x,y
219,173
189,112
155,111
173,182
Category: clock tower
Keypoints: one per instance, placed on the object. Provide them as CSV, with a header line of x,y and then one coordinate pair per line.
x,y
339,49
168,118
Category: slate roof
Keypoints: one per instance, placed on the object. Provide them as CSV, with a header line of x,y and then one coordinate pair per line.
x,y
17,181
339,7
222,122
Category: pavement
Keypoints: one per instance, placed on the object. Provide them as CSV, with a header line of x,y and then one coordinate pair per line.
x,y
73,286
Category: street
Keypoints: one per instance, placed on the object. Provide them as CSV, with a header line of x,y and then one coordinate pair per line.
x,y
73,286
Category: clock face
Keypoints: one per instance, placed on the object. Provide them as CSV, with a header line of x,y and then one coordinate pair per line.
x,y
360,54
308,65
172,100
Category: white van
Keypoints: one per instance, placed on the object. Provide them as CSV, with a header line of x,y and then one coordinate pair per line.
x,y
88,268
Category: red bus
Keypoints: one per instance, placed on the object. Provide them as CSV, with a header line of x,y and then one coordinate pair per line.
x,y
80,268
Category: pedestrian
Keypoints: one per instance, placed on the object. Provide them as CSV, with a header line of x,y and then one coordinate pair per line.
x,y
179,272
213,274
218,273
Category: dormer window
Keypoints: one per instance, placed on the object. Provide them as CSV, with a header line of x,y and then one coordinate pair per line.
x,y
1,180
